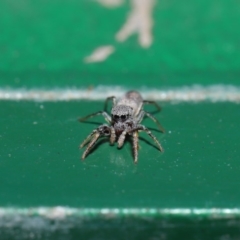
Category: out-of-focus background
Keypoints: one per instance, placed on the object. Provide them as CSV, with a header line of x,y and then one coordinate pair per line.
x,y
60,59
151,42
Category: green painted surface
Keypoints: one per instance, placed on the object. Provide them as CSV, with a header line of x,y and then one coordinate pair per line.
x,y
43,44
40,161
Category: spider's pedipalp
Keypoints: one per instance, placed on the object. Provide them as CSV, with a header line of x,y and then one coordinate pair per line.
x,y
121,139
112,136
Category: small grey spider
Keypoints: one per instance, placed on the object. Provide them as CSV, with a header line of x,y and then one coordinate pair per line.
x,y
126,116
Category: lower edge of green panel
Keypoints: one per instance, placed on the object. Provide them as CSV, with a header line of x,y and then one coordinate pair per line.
x,y
119,223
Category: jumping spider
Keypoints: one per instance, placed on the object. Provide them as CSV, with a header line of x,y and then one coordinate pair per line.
x,y
126,116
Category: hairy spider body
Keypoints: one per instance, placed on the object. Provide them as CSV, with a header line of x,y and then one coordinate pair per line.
x,y
126,116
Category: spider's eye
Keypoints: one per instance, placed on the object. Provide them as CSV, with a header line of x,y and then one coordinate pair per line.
x,y
123,117
115,117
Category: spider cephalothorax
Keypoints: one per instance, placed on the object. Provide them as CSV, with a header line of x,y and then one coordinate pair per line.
x,y
122,118
126,116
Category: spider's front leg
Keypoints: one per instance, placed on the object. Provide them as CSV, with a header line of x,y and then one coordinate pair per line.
x,y
135,146
88,138
91,144
102,130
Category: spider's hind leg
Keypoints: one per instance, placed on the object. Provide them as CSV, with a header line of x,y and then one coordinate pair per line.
x,y
153,103
113,98
145,129
112,135
143,113
160,127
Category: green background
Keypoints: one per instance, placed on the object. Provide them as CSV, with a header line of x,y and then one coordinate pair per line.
x,y
43,44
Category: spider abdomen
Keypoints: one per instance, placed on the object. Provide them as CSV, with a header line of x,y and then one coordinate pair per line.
x,y
132,99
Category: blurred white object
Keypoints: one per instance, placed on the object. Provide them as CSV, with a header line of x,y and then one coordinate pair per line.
x,y
139,21
100,54
195,93
111,3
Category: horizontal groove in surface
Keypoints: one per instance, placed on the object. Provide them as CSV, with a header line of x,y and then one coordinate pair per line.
x,y
191,93
61,212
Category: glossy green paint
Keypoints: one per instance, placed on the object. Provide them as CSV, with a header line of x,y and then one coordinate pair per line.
x,y
40,161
